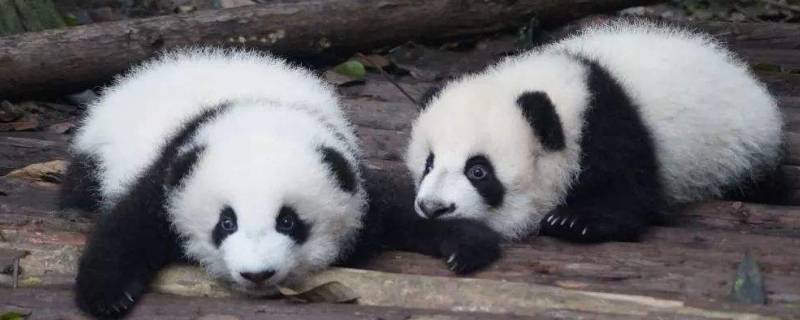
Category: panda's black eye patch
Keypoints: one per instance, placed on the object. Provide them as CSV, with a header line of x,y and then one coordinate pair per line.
x,y
290,224
226,225
428,165
480,173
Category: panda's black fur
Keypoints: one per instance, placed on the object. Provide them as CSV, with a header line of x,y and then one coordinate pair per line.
x,y
617,193
133,241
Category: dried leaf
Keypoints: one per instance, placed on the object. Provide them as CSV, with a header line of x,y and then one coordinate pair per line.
x,y
329,292
44,171
748,286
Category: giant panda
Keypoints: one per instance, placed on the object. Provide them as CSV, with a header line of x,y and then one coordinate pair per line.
x,y
233,159
594,137
243,163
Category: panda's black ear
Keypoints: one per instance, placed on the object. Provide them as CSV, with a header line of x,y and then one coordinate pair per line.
x,y
540,113
340,167
427,96
179,167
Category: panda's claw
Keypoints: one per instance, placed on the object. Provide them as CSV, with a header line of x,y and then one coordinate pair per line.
x,y
468,246
128,295
593,225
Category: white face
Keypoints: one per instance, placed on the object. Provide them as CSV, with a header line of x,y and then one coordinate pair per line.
x,y
260,209
473,155
469,160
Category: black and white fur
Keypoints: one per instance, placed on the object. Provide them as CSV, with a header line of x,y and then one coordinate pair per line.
x,y
233,159
593,136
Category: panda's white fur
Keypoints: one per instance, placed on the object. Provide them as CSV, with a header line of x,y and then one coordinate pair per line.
x,y
261,153
711,122
147,104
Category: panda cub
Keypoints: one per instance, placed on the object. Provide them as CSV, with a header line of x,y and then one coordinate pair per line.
x,y
589,139
233,159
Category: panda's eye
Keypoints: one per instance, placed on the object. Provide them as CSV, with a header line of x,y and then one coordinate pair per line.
x,y
428,164
285,222
477,172
228,224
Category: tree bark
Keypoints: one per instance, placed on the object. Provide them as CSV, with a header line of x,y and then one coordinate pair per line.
x,y
67,60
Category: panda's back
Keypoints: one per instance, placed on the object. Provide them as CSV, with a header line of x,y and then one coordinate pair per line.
x,y
712,123
127,125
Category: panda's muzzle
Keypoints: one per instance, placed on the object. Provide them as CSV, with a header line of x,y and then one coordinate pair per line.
x,y
433,209
258,277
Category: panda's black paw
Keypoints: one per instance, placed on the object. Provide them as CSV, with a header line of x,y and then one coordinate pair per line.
x,y
470,246
103,299
592,227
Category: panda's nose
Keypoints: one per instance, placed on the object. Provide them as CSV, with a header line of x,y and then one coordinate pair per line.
x,y
434,209
258,277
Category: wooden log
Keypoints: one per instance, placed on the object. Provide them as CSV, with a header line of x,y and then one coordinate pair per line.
x,y
72,59
59,304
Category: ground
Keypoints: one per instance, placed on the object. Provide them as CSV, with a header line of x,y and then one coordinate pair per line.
x,y
685,269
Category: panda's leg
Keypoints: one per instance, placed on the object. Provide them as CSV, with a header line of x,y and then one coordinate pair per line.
x,y
80,187
127,248
614,215
465,245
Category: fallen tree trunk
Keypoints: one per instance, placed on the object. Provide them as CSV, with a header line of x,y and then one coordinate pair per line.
x,y
67,60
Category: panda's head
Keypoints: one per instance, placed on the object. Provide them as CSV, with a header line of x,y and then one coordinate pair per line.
x,y
272,195
492,147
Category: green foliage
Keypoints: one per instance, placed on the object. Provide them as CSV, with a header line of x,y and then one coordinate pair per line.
x,y
39,14
352,69
12,316
748,286
9,20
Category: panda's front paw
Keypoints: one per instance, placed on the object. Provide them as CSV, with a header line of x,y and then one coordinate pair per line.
x,y
564,225
591,226
102,298
470,246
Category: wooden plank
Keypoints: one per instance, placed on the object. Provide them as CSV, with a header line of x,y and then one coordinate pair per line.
x,y
792,148
781,84
785,60
18,149
755,35
741,217
676,263
693,261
